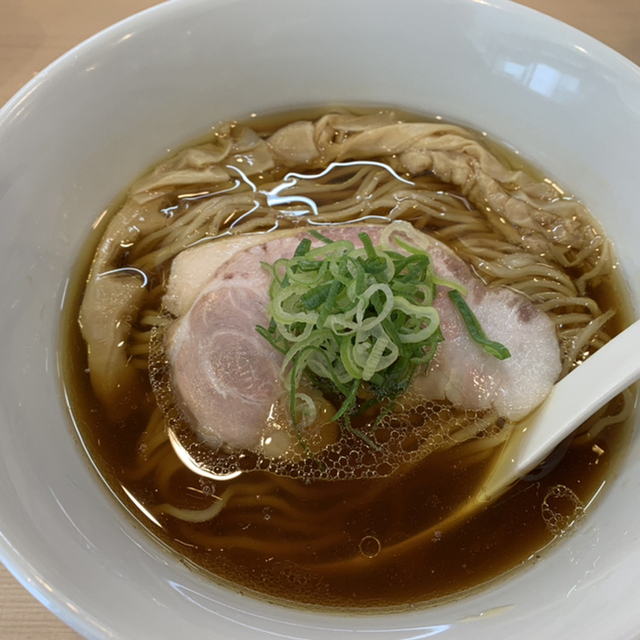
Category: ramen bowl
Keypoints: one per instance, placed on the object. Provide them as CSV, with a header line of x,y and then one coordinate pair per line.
x,y
82,130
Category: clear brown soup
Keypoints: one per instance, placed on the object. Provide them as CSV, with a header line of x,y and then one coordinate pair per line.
x,y
318,543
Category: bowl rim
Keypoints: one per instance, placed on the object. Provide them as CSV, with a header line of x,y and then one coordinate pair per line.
x,y
20,567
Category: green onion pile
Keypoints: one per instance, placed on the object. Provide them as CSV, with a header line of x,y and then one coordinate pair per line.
x,y
358,322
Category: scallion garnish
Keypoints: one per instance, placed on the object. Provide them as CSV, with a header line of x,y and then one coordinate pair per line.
x,y
492,347
351,317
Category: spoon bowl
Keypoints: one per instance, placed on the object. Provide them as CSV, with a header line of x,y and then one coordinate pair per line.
x,y
572,400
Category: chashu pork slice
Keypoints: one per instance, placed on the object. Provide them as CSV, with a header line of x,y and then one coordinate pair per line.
x,y
226,377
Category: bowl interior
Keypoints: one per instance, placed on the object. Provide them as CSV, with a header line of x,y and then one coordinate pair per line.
x,y
81,131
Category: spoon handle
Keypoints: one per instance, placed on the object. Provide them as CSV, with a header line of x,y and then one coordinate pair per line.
x,y
572,400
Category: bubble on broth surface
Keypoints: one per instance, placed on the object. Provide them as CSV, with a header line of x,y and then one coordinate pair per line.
x,y
561,507
414,429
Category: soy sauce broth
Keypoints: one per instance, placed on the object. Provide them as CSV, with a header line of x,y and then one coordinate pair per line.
x,y
285,539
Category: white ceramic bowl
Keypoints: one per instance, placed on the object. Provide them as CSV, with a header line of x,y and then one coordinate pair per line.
x,y
78,133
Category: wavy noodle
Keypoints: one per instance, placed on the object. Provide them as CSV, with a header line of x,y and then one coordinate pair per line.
x,y
482,239
489,242
593,427
556,275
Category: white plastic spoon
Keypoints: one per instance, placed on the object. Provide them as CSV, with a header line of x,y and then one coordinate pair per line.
x,y
571,401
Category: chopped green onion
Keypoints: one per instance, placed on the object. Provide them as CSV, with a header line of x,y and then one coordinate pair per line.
x,y
303,248
493,348
346,317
